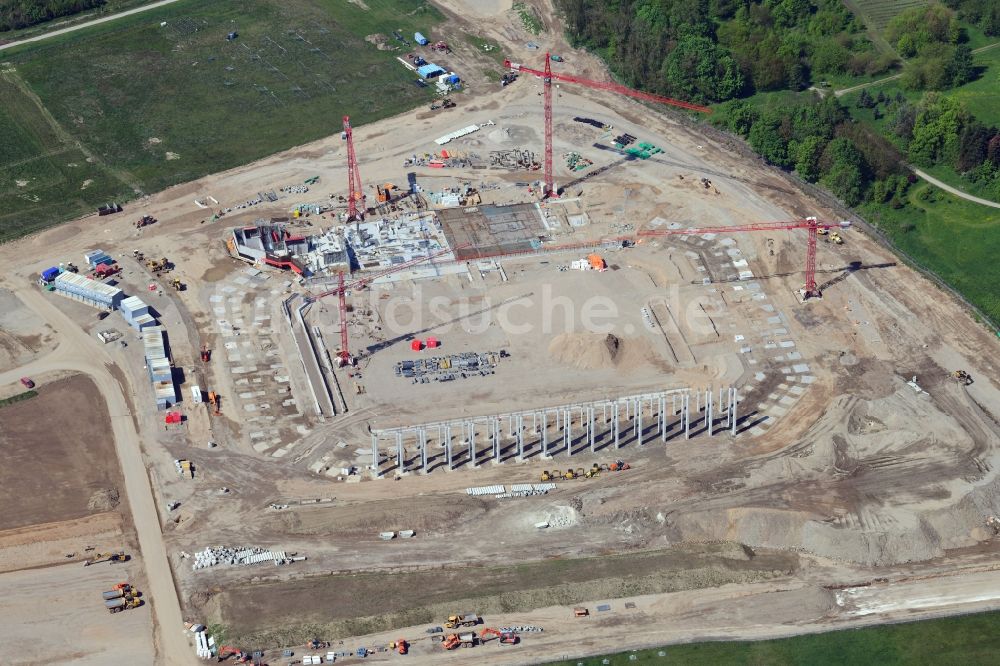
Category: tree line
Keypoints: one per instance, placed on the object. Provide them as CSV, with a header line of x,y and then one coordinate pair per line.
x,y
17,14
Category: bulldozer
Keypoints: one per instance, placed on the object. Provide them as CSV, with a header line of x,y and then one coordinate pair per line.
x,y
463,620
114,558
546,476
962,377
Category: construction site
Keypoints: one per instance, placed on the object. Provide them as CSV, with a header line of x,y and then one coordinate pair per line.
x,y
501,383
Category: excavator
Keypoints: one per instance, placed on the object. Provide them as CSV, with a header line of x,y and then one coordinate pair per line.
x,y
593,471
206,355
213,400
400,645
120,556
569,475
227,651
178,285
546,476
619,465
506,637
962,377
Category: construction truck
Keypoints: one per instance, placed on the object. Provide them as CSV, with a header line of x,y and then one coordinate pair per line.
x,y
463,620
580,611
156,265
122,603
213,400
184,468
227,651
206,355
114,558
619,465
962,377
452,641
400,645
835,238
505,637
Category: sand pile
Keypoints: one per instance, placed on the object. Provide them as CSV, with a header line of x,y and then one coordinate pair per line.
x,y
593,351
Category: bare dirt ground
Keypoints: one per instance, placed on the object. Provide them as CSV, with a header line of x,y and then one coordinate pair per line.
x,y
839,464
57,456
56,614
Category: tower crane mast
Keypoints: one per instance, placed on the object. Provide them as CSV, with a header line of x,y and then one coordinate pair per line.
x,y
548,77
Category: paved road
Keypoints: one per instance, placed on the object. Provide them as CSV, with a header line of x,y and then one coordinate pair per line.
x,y
958,193
81,26
78,352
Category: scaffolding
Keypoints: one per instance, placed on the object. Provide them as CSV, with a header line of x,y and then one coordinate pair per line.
x,y
560,430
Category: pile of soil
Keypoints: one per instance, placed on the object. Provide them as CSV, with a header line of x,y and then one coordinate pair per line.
x,y
593,351
380,41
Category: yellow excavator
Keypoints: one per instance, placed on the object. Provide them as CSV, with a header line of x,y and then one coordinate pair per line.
x,y
546,476
962,377
593,471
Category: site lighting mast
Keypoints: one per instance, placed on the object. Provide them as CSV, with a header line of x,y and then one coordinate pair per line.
x,y
810,224
548,77
355,191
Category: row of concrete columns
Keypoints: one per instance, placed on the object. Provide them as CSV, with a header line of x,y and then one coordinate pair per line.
x,y
605,426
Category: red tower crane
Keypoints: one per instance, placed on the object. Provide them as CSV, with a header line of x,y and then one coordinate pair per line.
x,y
547,77
355,192
810,224
344,354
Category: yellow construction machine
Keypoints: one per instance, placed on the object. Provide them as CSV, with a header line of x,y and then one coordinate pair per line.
x,y
462,620
835,238
546,476
177,284
120,556
962,377
593,471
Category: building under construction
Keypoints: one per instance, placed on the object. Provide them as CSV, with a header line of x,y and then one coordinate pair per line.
x,y
486,231
271,244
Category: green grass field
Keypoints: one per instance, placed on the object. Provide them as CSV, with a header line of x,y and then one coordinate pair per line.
x,y
956,239
164,105
968,640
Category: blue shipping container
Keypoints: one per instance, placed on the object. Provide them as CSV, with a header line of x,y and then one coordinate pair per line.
x,y
419,39
49,274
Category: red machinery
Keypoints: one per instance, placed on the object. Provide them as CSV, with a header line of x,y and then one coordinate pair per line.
x,y
810,224
547,77
355,193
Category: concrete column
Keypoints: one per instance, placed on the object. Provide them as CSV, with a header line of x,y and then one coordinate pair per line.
x,y
400,463
732,411
472,444
590,427
663,419
638,421
687,415
708,410
545,433
520,436
496,441
423,449
697,401
615,425
375,454
568,431
673,404
510,425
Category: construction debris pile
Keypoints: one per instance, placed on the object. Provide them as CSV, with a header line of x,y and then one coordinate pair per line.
x,y
294,189
577,162
514,159
527,629
245,556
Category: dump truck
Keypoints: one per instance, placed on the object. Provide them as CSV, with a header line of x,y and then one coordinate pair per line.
x,y
121,603
116,593
463,620
213,400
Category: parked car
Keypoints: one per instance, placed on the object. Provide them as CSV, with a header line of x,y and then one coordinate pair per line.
x,y
27,382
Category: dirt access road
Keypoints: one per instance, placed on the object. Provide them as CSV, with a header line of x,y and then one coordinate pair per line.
x,y
80,353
